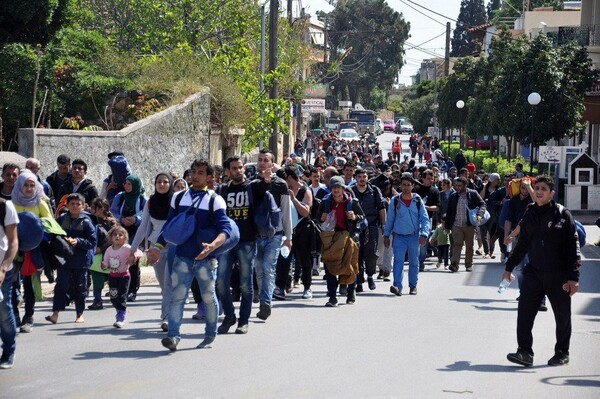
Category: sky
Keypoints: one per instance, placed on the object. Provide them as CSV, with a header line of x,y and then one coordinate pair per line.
x,y
422,28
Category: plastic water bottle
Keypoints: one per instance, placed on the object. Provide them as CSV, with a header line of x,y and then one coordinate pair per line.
x,y
509,247
503,286
285,251
1,296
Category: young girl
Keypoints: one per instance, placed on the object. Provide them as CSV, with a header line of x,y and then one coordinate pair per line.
x,y
101,209
441,239
116,259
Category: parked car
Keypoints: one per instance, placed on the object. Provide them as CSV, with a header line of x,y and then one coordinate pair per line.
x,y
404,127
349,135
484,143
389,126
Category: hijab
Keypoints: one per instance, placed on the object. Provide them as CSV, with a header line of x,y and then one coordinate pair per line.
x,y
137,190
159,203
178,180
19,198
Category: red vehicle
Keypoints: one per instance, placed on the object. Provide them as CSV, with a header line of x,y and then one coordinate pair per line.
x,y
484,143
389,126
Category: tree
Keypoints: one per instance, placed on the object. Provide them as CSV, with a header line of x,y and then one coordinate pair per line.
x,y
367,39
472,13
492,7
31,21
513,8
420,112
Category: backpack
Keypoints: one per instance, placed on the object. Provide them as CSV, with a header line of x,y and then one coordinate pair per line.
x,y
120,168
327,208
267,215
397,203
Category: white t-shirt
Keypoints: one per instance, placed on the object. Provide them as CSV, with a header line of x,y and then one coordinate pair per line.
x,y
11,218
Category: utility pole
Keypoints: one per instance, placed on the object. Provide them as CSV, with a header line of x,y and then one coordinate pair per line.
x,y
273,27
447,54
289,12
262,58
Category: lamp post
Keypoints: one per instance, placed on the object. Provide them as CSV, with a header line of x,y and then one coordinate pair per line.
x,y
533,99
460,104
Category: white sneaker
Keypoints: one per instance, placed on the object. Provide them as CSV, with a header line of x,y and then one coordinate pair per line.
x,y
119,324
307,294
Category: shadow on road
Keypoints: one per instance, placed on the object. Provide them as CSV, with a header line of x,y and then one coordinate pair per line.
x,y
489,368
574,380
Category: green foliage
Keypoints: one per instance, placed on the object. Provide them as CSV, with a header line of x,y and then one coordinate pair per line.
x,y
31,21
371,36
472,13
420,112
377,99
485,160
396,104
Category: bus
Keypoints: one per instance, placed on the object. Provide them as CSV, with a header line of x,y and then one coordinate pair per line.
x,y
366,120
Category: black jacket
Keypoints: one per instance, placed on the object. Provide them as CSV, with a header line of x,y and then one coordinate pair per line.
x,y
87,189
371,202
549,236
474,201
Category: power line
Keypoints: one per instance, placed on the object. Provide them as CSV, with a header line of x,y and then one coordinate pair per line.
x,y
422,13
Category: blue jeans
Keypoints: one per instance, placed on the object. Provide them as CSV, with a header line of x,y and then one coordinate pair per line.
x,y
267,252
8,325
402,244
423,251
183,272
245,252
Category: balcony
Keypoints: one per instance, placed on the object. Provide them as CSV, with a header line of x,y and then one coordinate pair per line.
x,y
585,35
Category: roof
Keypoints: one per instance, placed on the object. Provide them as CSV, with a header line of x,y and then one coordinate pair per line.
x,y
479,27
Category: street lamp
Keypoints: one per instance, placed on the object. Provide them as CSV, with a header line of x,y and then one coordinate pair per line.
x,y
460,104
533,99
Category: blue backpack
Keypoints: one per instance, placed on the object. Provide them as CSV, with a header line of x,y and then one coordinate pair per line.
x,y
267,215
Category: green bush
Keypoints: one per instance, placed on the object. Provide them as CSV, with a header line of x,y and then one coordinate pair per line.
x,y
487,161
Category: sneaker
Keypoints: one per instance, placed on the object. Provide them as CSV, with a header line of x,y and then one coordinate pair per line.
x,y
344,290
469,269
438,265
422,268
413,291
307,294
170,343
26,327
241,329
380,274
359,289
332,303
279,293
559,359
315,272
96,305
351,298
227,323
131,297
520,357
164,326
395,290
206,343
296,283
479,252
543,308
255,298
453,268
7,361
386,276
118,324
371,283
264,311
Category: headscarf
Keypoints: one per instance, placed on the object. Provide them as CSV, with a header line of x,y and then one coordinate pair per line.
x,y
137,190
19,198
178,180
159,203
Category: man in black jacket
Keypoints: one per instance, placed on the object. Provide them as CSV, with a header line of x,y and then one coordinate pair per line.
x,y
457,221
548,235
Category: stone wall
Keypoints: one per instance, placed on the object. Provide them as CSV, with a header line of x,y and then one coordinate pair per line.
x,y
167,141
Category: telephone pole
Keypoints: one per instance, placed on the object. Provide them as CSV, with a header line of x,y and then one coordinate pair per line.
x,y
273,94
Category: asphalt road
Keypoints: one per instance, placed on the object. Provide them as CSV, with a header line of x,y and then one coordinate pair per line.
x,y
449,341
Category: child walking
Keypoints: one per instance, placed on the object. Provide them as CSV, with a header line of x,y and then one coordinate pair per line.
x,y
441,239
115,259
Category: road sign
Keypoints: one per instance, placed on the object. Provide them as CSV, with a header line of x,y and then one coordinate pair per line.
x,y
313,105
549,154
345,104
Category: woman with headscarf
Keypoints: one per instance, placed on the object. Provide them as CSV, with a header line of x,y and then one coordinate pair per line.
x,y
128,207
28,196
153,219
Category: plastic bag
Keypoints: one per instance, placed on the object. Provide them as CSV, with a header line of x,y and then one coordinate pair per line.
x,y
329,223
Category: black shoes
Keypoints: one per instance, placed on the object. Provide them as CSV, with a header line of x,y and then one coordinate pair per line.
x,y
351,298
469,269
96,305
332,303
386,276
241,329
543,308
521,357
453,268
559,359
359,289
170,343
371,283
395,290
413,291
264,311
206,343
227,323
